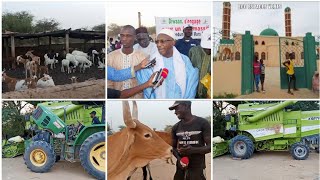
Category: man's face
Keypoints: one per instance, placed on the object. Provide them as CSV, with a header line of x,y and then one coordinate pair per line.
x,y
187,32
180,111
91,115
207,51
165,44
127,37
143,39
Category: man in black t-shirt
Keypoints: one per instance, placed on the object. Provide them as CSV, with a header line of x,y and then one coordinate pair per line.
x,y
191,138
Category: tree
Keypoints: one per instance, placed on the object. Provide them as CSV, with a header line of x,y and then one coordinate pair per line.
x,y
113,30
13,122
46,25
168,128
100,27
17,22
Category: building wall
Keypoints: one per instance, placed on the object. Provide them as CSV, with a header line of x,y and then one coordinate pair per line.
x,y
271,49
226,77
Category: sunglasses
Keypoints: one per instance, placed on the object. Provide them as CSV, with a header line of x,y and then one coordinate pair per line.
x,y
162,41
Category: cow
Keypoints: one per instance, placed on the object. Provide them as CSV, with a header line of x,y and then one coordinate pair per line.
x,y
134,146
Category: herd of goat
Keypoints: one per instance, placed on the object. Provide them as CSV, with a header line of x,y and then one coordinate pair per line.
x,y
37,75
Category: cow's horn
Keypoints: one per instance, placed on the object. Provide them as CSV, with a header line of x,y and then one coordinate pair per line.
x,y
127,115
135,110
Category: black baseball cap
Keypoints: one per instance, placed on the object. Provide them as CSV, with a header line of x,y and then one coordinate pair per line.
x,y
176,103
93,112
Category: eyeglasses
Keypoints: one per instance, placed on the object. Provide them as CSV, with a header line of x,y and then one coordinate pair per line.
x,y
162,41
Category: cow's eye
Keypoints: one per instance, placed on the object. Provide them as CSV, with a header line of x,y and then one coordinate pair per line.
x,y
147,135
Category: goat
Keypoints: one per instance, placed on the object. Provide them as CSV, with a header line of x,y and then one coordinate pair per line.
x,y
30,66
79,53
42,70
33,57
74,79
72,60
45,81
24,61
10,81
84,62
65,63
48,61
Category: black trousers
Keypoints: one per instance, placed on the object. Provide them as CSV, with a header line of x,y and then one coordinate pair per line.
x,y
291,80
190,174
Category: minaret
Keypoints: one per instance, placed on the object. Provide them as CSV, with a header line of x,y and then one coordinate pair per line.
x,y
226,20
287,17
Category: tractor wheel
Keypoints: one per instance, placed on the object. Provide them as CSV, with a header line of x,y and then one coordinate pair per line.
x,y
241,147
299,151
93,155
39,157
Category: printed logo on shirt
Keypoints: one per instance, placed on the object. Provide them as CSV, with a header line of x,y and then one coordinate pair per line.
x,y
187,134
193,45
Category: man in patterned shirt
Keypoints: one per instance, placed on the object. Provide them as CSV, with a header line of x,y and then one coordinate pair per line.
x,y
124,58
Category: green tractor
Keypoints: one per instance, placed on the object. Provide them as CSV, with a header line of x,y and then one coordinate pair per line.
x,y
270,127
56,140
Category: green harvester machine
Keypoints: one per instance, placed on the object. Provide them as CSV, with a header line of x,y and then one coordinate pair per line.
x,y
270,127
59,138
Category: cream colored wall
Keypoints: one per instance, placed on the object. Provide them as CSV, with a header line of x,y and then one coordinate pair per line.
x,y
271,48
226,77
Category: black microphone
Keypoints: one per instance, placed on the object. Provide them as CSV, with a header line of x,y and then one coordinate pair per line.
x,y
161,75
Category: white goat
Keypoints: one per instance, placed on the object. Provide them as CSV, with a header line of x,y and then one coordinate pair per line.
x,y
72,59
65,64
83,62
48,61
45,81
79,53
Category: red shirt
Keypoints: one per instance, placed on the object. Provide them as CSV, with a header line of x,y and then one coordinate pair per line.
x,y
256,68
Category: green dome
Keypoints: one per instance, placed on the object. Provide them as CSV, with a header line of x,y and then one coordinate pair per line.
x,y
269,32
287,9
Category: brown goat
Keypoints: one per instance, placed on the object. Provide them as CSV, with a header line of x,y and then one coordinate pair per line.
x,y
11,82
42,70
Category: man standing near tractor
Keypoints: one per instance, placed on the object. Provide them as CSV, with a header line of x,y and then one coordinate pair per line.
x,y
95,120
191,140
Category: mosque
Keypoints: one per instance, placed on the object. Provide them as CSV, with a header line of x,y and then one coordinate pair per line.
x,y
268,45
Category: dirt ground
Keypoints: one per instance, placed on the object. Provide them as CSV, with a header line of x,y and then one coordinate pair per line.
x,y
273,90
161,170
59,78
93,89
267,166
14,168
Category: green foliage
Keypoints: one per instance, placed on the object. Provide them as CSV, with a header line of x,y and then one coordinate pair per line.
x,y
113,30
13,123
46,25
219,123
17,22
306,105
100,27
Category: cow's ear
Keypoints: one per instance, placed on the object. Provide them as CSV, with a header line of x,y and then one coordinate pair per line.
x,y
135,110
127,115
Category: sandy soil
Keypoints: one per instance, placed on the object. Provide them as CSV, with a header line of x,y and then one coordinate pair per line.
x,y
266,166
273,90
14,168
161,170
94,89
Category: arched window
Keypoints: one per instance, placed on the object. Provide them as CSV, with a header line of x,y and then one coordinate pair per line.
x,y
302,55
263,55
263,43
256,43
256,54
292,43
237,55
293,55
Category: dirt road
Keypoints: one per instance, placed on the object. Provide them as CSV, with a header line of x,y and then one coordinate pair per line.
x,y
14,168
273,90
160,170
266,166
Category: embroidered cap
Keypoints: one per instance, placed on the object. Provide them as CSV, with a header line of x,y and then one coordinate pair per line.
x,y
168,32
176,103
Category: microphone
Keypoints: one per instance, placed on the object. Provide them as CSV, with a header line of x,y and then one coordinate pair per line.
x,y
161,75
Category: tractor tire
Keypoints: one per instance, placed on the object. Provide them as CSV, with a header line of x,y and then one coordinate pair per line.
x,y
299,151
39,156
241,147
93,155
